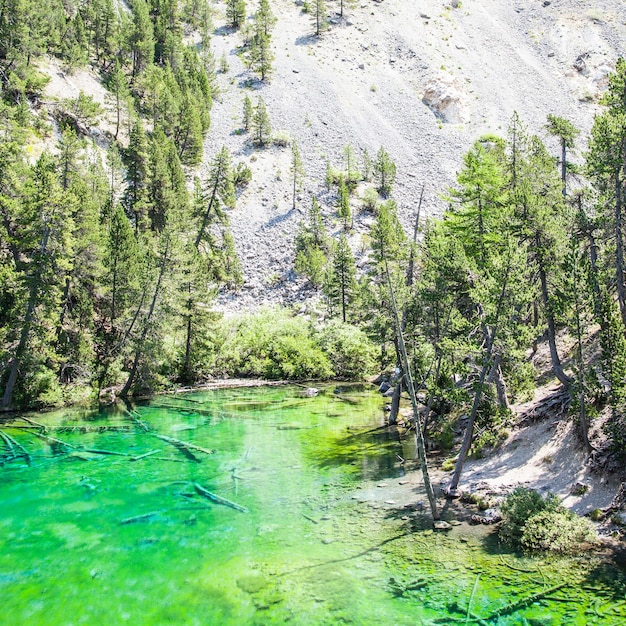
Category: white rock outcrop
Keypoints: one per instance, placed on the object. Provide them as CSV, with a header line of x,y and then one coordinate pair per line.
x,y
445,97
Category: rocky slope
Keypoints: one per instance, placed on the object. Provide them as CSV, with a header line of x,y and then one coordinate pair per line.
x,y
424,80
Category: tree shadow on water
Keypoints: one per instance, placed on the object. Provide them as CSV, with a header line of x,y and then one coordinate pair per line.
x,y
376,453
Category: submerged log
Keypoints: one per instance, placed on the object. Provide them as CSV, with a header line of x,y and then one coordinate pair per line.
x,y
218,499
185,447
33,422
136,418
139,518
12,445
106,452
53,441
524,602
144,455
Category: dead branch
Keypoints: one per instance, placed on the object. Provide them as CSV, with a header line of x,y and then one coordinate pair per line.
x,y
218,499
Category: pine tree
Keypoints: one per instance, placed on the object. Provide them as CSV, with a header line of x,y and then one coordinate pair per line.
x,y
219,191
137,177
566,132
141,38
235,12
47,240
248,113
343,204
366,166
606,167
311,245
384,172
352,173
264,19
261,56
118,87
340,285
297,171
320,16
261,126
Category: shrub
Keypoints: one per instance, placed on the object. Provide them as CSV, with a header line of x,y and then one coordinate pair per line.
x,y
349,350
534,523
242,175
273,344
557,531
519,507
281,139
370,199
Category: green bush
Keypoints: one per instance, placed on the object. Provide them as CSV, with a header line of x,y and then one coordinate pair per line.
x,y
349,350
242,175
519,507
535,523
274,344
370,199
557,531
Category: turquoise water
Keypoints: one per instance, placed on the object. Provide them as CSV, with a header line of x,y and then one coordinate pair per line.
x,y
89,538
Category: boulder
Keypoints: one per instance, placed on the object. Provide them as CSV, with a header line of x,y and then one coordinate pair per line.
x,y
445,97
384,386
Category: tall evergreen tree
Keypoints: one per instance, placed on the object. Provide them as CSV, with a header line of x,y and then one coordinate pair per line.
x,y
384,172
566,133
261,125
235,12
340,284
297,171
320,17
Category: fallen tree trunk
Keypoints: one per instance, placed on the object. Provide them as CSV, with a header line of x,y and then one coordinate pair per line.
x,y
139,518
218,499
185,447
524,602
108,452
53,441
144,455
12,444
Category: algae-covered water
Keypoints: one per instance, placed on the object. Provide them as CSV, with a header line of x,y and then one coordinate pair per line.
x,y
91,538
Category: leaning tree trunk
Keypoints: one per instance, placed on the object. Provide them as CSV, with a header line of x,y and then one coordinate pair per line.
x,y
557,367
469,429
138,352
395,400
497,379
487,365
28,320
619,249
397,392
419,437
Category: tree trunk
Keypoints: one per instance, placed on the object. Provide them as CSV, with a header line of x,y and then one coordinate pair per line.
x,y
205,217
28,320
496,378
583,421
185,371
619,250
469,429
138,352
395,400
487,365
557,368
419,437
564,166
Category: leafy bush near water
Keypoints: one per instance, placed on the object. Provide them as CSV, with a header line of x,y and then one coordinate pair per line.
x,y
274,344
534,523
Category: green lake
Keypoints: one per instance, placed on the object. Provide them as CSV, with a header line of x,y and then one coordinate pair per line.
x,y
89,538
